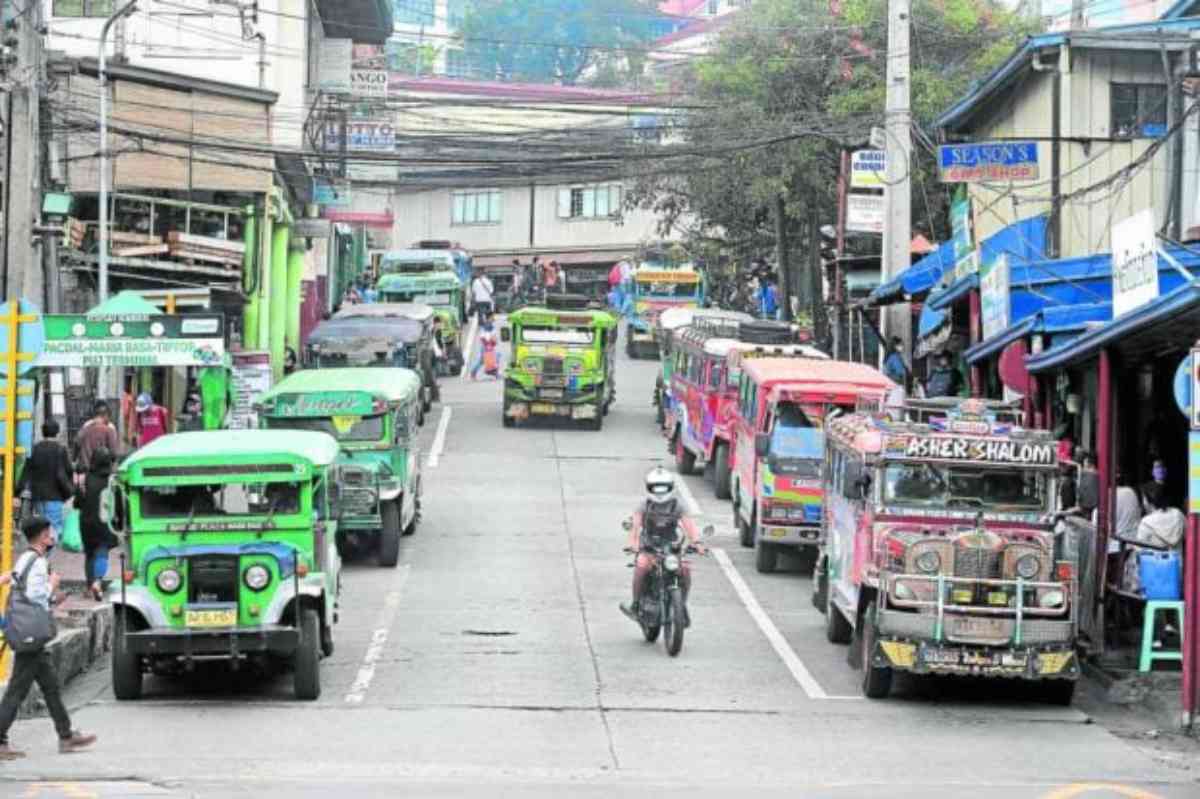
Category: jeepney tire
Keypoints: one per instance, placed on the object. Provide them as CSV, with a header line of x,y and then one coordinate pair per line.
x,y
505,419
722,477
307,676
629,347
1059,692
685,459
595,425
766,556
327,640
389,535
126,666
745,531
411,528
660,414
837,629
877,680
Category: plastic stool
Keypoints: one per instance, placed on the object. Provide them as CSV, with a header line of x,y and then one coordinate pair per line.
x,y
1153,607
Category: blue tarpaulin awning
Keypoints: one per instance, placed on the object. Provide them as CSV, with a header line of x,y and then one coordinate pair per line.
x,y
1060,322
917,279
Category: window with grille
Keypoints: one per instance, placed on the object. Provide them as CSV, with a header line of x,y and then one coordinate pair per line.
x,y
590,202
476,207
1139,110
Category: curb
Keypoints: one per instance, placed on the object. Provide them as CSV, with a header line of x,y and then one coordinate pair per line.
x,y
84,636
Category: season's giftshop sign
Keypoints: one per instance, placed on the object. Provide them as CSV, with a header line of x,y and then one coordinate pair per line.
x,y
134,340
1001,451
982,162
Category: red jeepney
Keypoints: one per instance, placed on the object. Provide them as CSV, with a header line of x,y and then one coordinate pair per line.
x,y
779,446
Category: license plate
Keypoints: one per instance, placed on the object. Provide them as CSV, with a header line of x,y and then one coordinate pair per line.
x,y
777,532
977,628
998,598
542,407
552,393
211,618
962,596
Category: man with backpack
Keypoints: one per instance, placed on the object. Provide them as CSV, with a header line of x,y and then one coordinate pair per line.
x,y
35,587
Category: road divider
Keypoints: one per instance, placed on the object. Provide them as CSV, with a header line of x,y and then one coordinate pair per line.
x,y
379,637
439,438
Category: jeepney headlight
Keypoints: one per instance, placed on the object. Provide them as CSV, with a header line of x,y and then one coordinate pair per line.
x,y
796,514
929,562
168,581
1051,599
904,591
531,364
574,366
1028,566
256,577
671,563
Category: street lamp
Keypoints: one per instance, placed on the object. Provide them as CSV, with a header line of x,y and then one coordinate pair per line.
x,y
124,10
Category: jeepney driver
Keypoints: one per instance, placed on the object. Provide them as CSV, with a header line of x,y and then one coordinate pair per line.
x,y
660,514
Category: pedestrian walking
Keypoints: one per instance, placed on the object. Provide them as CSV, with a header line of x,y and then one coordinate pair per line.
x,y
482,295
98,537
488,357
153,421
33,578
96,432
47,476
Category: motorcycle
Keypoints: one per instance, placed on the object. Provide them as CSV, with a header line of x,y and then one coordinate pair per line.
x,y
662,607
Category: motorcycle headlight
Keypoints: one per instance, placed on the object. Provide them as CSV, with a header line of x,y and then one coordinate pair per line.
x,y
168,581
256,577
1052,599
1028,566
929,562
671,563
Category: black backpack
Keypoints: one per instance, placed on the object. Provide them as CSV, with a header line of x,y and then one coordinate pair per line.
x,y
660,522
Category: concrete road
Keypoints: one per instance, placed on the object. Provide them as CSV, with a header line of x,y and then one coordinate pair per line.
x,y
493,661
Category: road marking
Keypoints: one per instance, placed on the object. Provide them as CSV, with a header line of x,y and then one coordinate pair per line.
x,y
472,331
1081,788
439,438
768,628
387,616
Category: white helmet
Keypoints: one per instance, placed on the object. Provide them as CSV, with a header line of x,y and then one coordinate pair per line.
x,y
660,486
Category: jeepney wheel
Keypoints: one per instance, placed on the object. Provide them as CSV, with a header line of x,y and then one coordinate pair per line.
x,y
327,640
766,556
660,412
411,528
629,347
877,680
745,531
505,419
307,676
596,423
1059,692
421,415
837,629
722,476
389,536
126,666
685,460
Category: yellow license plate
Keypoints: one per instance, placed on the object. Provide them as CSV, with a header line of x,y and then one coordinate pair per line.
x,y
542,407
777,532
211,618
997,598
962,596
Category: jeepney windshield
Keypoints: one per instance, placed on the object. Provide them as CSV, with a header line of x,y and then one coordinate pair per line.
x,y
797,441
570,336
672,290
414,267
973,487
343,428
232,499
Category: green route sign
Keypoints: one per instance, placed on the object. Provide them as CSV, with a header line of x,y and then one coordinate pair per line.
x,y
323,404
133,340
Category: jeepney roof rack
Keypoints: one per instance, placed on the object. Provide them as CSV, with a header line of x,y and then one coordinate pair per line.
x,y
765,331
922,410
722,327
568,302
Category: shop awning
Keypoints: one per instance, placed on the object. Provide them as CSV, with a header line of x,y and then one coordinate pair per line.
x,y
917,279
1060,322
993,345
125,303
1173,317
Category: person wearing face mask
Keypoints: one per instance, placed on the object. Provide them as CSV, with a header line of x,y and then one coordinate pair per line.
x,y
1158,473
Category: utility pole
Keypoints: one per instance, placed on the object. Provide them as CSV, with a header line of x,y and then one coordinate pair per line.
x,y
897,229
24,263
1077,22
784,289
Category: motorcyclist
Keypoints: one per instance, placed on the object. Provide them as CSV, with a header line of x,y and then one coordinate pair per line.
x,y
661,514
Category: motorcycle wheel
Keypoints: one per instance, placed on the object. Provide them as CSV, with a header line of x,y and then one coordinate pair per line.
x,y
673,628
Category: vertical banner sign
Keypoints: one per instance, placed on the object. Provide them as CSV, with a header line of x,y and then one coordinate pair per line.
x,y
864,212
964,247
993,290
867,169
1134,262
334,61
1194,397
1194,472
368,71
251,378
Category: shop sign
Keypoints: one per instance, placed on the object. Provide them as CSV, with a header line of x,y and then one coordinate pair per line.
x,y
372,136
306,228
868,169
1194,472
324,404
1134,262
251,379
980,162
993,290
964,246
864,213
331,193
133,340
980,450
333,73
1193,361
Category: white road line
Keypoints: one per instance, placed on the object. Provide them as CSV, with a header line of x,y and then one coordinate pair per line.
x,y
774,637
379,637
439,438
472,332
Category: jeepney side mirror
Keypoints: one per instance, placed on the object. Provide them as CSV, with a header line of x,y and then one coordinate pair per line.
x,y
627,525
864,485
505,334
762,444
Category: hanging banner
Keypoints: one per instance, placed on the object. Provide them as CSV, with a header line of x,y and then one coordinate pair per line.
x,y
251,378
133,340
331,192
1134,262
993,290
368,71
864,213
980,162
964,246
868,169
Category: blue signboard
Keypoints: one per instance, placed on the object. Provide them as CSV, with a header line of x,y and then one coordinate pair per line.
x,y
988,161
331,193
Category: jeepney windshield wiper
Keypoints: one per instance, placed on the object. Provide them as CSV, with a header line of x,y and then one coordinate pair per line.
x,y
270,519
187,526
974,502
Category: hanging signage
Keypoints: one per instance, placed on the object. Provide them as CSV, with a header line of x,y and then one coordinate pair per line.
x,y
334,59
868,169
965,448
251,378
1194,472
864,213
980,162
993,290
964,245
331,193
366,135
1134,262
368,71
133,340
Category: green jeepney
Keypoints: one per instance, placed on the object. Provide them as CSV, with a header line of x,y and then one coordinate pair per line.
x,y
442,291
228,554
562,364
372,413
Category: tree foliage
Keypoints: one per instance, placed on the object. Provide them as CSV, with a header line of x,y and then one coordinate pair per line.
x,y
556,41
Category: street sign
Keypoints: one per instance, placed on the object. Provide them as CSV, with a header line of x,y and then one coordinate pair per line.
x,y
964,246
988,161
134,340
331,193
864,213
31,336
306,228
868,169
1134,262
993,290
1182,386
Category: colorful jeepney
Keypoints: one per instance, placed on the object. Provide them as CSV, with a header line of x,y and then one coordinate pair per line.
x,y
670,321
562,365
441,290
655,289
778,446
704,395
373,415
939,556
228,554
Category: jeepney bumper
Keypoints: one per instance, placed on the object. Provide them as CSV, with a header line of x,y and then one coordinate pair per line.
x,y
521,402
795,535
213,644
524,410
1040,662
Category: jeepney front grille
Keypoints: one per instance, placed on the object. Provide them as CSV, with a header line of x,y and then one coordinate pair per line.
x,y
355,477
552,366
213,578
553,381
358,501
976,562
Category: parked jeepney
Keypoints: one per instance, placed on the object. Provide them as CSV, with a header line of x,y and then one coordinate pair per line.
x,y
669,321
939,556
228,554
655,289
704,390
463,263
372,413
412,324
562,364
778,447
440,290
